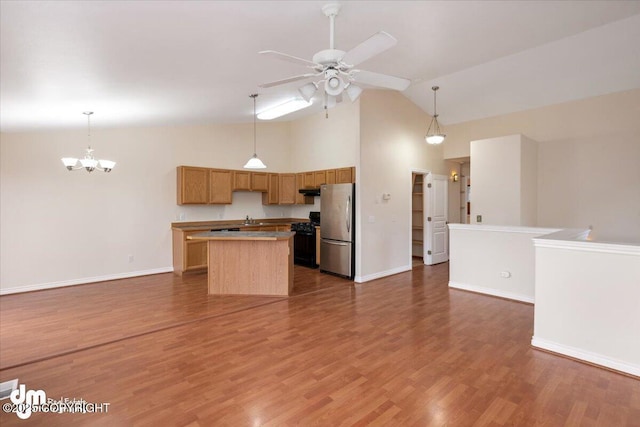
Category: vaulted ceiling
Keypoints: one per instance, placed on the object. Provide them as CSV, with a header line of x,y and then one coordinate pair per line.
x,y
148,63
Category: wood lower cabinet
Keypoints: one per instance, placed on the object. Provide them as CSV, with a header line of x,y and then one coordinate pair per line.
x,y
193,185
220,186
286,189
188,255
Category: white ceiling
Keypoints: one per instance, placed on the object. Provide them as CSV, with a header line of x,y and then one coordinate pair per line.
x,y
138,63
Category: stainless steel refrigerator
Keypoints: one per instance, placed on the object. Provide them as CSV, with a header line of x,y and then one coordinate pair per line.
x,y
337,229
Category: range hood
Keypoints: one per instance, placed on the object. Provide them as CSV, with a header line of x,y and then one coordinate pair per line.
x,y
310,191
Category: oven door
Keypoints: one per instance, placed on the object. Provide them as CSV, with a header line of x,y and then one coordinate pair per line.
x,y
304,249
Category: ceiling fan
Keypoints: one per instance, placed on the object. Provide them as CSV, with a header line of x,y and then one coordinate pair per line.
x,y
335,67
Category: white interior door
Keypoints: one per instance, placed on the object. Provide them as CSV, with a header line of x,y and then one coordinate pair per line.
x,y
437,237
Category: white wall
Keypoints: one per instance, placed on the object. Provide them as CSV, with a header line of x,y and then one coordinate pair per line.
x,y
479,254
588,155
392,144
588,300
60,227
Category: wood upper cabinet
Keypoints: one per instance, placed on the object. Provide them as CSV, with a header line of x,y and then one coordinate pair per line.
x,y
193,185
331,176
308,180
259,181
203,186
241,181
299,186
319,178
220,186
346,175
271,196
286,188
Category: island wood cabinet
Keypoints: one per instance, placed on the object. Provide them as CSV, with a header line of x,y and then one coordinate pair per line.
x,y
201,186
191,255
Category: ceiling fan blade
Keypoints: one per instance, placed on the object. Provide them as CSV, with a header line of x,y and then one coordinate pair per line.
x,y
377,43
289,58
287,80
380,80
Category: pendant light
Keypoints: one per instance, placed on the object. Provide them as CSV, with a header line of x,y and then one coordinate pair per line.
x,y
254,162
89,163
434,134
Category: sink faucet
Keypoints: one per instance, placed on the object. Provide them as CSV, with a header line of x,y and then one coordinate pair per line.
x,y
247,221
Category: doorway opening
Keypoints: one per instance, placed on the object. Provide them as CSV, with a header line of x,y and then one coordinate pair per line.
x,y
417,219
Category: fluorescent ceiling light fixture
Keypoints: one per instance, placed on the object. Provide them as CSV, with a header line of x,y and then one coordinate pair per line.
x,y
284,109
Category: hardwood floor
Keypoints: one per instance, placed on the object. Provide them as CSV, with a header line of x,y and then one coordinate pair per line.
x,y
399,351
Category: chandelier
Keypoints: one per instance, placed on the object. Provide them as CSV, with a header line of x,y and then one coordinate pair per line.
x,y
88,162
434,134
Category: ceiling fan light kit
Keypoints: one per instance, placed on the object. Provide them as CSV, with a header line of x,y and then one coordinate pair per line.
x,y
434,133
307,91
88,162
336,67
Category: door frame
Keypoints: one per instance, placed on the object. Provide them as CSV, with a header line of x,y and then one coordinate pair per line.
x,y
424,173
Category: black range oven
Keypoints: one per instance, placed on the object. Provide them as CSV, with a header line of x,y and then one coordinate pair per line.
x,y
304,242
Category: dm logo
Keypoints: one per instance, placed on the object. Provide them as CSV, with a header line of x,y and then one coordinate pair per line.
x,y
25,400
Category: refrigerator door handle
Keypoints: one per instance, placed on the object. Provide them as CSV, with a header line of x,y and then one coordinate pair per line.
x,y
331,242
347,214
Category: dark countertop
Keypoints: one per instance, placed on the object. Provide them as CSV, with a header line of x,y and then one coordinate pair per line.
x,y
242,235
219,225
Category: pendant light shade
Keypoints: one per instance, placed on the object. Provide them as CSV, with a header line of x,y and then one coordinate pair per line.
x,y
434,133
254,162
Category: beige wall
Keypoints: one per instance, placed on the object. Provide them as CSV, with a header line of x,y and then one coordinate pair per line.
x,y
392,144
505,180
58,226
588,161
318,142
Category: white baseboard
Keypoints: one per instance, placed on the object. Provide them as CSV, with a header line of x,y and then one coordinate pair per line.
x,y
83,281
493,292
587,356
368,277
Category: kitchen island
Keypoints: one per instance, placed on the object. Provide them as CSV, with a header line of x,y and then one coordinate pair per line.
x,y
249,262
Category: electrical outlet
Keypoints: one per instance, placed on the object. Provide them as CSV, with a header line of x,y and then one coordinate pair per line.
x,y
130,258
478,218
